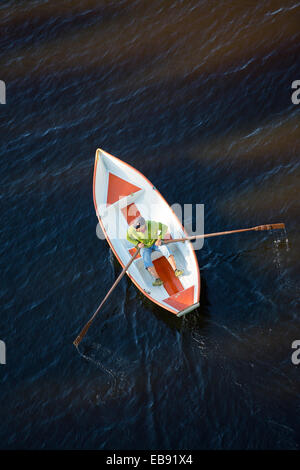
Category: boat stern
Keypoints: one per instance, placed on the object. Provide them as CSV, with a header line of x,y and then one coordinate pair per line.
x,y
188,309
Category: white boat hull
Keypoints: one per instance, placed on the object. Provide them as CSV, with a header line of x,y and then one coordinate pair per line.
x,y
121,193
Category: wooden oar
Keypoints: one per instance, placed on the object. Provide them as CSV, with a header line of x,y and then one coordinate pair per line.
x,y
88,324
206,235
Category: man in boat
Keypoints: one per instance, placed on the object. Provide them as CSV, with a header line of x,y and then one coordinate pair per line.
x,y
147,235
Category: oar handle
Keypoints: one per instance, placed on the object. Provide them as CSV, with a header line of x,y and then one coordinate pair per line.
x,y
88,324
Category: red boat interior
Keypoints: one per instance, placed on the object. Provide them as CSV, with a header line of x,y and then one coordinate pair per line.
x,y
118,188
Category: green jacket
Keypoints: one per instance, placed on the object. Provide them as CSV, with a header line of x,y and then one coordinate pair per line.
x,y
153,231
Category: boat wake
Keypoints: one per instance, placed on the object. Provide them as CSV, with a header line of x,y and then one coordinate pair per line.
x,y
199,342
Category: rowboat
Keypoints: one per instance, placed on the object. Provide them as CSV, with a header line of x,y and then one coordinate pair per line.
x,y
121,193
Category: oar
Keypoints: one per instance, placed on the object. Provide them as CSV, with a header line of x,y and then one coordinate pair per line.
x,y
88,324
206,235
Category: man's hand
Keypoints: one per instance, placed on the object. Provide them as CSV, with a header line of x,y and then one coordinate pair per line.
x,y
141,245
158,242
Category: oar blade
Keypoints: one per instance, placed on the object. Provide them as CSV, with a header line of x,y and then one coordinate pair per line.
x,y
278,226
77,341
271,227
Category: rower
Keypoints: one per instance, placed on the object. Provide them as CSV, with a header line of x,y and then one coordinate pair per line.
x,y
147,235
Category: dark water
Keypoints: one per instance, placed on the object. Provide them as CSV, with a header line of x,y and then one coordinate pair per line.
x,y
197,96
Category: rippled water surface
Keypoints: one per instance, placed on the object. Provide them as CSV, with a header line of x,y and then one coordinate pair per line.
x,y
197,96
